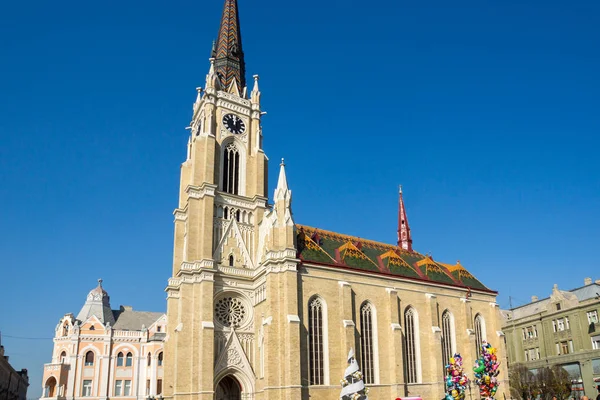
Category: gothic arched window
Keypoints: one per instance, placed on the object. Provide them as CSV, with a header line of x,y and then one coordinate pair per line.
x,y
65,329
315,342
411,345
89,358
479,333
231,169
160,359
367,357
63,357
129,360
149,359
120,359
231,260
447,337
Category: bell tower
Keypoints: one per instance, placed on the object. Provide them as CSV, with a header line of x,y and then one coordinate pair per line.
x,y
231,248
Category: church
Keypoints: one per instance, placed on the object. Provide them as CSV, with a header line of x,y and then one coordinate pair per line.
x,y
260,307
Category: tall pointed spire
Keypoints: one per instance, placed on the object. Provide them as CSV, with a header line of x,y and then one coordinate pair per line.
x,y
282,190
404,237
228,53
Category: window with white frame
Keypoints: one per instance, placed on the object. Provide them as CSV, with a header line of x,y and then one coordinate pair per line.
x,y
571,348
127,388
553,325
596,342
537,352
411,343
592,317
366,343
532,355
531,332
129,360
447,337
315,342
118,388
567,324
86,390
558,349
560,323
564,347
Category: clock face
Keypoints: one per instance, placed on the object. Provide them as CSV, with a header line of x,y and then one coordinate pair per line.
x,y
234,124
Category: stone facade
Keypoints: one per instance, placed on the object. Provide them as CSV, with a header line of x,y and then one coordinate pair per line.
x,y
246,280
13,384
562,329
104,353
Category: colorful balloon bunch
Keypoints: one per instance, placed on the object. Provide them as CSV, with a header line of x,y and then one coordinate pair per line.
x,y
486,371
456,380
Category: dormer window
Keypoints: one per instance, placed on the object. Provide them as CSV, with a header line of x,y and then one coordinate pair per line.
x,y
158,328
558,307
92,328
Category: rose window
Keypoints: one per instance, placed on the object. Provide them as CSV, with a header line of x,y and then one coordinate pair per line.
x,y
230,311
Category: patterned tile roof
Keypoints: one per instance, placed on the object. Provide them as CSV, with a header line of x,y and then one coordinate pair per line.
x,y
228,54
343,251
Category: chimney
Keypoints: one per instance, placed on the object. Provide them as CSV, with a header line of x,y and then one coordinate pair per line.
x,y
587,281
534,299
126,308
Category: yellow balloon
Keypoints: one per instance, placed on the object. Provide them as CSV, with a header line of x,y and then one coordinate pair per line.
x,y
452,360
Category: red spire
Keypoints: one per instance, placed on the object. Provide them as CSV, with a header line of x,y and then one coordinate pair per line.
x,y
404,238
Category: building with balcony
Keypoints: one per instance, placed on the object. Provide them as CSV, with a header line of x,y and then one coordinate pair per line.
x,y
13,383
563,330
105,353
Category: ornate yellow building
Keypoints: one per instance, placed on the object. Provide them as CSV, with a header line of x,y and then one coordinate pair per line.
x,y
262,308
104,353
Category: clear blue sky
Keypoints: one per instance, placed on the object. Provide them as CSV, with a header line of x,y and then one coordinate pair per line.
x,y
486,111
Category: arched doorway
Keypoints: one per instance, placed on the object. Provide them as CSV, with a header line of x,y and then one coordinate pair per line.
x,y
228,389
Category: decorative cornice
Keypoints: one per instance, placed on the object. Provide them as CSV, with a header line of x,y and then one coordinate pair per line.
x,y
236,201
180,214
233,107
199,192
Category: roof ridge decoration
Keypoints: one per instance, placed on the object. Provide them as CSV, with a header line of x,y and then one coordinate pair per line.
x,y
228,54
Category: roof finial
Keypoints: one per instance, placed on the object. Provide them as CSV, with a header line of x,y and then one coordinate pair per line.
x,y
400,189
100,282
282,162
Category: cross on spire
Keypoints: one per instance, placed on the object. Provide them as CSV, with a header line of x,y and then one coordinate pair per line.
x,y
228,54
